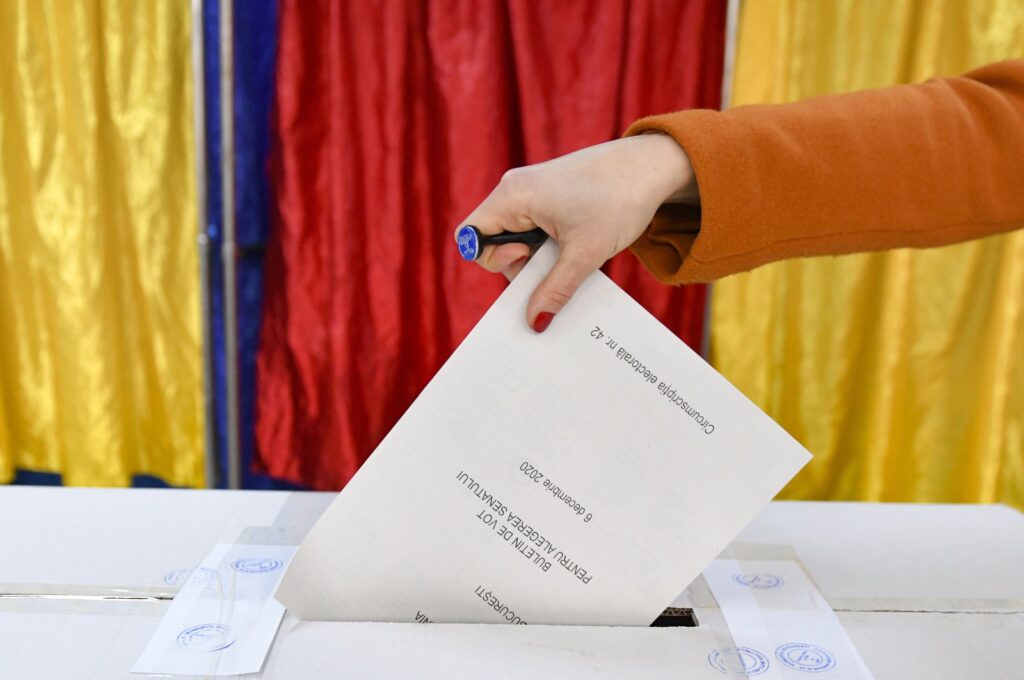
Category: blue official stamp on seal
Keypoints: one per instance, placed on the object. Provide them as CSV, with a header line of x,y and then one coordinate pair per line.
x,y
759,581
173,578
256,565
739,660
206,637
202,574
803,656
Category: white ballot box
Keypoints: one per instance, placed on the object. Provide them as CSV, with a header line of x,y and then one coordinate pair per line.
x,y
86,576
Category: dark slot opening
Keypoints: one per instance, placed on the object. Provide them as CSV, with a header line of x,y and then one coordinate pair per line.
x,y
675,617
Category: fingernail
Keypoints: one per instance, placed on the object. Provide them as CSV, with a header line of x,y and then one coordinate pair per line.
x,y
543,320
519,261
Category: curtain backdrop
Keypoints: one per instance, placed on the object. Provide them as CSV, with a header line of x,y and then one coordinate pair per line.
x,y
255,57
393,119
100,368
903,372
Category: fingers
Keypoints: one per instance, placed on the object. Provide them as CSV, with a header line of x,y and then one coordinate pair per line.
x,y
506,259
512,271
574,265
504,209
507,209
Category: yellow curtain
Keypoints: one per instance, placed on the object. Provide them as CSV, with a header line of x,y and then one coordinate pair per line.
x,y
100,362
903,372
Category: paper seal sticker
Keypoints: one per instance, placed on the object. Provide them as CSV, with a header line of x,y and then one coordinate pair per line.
x,y
224,616
774,605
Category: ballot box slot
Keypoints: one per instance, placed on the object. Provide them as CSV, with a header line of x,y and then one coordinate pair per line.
x,y
676,617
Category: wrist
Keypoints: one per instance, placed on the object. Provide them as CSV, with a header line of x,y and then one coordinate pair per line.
x,y
672,180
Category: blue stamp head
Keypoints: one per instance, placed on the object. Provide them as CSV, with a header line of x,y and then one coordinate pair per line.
x,y
468,239
256,565
206,637
759,581
805,657
741,660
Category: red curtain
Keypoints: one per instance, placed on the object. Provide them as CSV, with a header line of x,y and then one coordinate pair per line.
x,y
393,120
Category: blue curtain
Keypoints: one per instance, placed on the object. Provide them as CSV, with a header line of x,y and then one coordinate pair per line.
x,y
255,43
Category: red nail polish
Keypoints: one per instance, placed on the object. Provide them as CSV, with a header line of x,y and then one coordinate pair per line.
x,y
519,260
543,320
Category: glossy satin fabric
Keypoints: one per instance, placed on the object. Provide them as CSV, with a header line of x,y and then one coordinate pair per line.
x,y
903,372
100,373
394,119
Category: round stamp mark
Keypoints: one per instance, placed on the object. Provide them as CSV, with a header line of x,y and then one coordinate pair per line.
x,y
256,565
173,578
179,576
206,637
806,657
739,660
759,581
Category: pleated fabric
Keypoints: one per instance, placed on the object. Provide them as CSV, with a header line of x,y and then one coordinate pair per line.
x,y
100,365
903,372
393,120
254,34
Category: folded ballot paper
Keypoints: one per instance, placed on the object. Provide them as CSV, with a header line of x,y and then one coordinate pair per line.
x,y
581,476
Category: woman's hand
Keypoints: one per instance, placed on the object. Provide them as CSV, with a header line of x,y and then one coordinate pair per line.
x,y
594,203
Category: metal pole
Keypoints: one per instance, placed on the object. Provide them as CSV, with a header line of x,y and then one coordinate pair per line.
x,y
732,22
202,239
228,256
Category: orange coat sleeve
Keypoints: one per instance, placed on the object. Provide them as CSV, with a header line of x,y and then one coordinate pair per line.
x,y
910,166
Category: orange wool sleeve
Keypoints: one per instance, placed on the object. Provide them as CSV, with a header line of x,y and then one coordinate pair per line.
x,y
910,166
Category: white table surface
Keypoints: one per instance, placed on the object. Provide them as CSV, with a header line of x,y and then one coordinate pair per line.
x,y
923,590
969,556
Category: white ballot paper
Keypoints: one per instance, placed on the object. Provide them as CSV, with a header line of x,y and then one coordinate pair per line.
x,y
584,475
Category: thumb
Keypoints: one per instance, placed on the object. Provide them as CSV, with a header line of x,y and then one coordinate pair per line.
x,y
574,265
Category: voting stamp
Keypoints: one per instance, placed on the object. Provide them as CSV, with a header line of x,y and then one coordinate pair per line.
x,y
739,660
256,565
806,657
206,637
759,581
